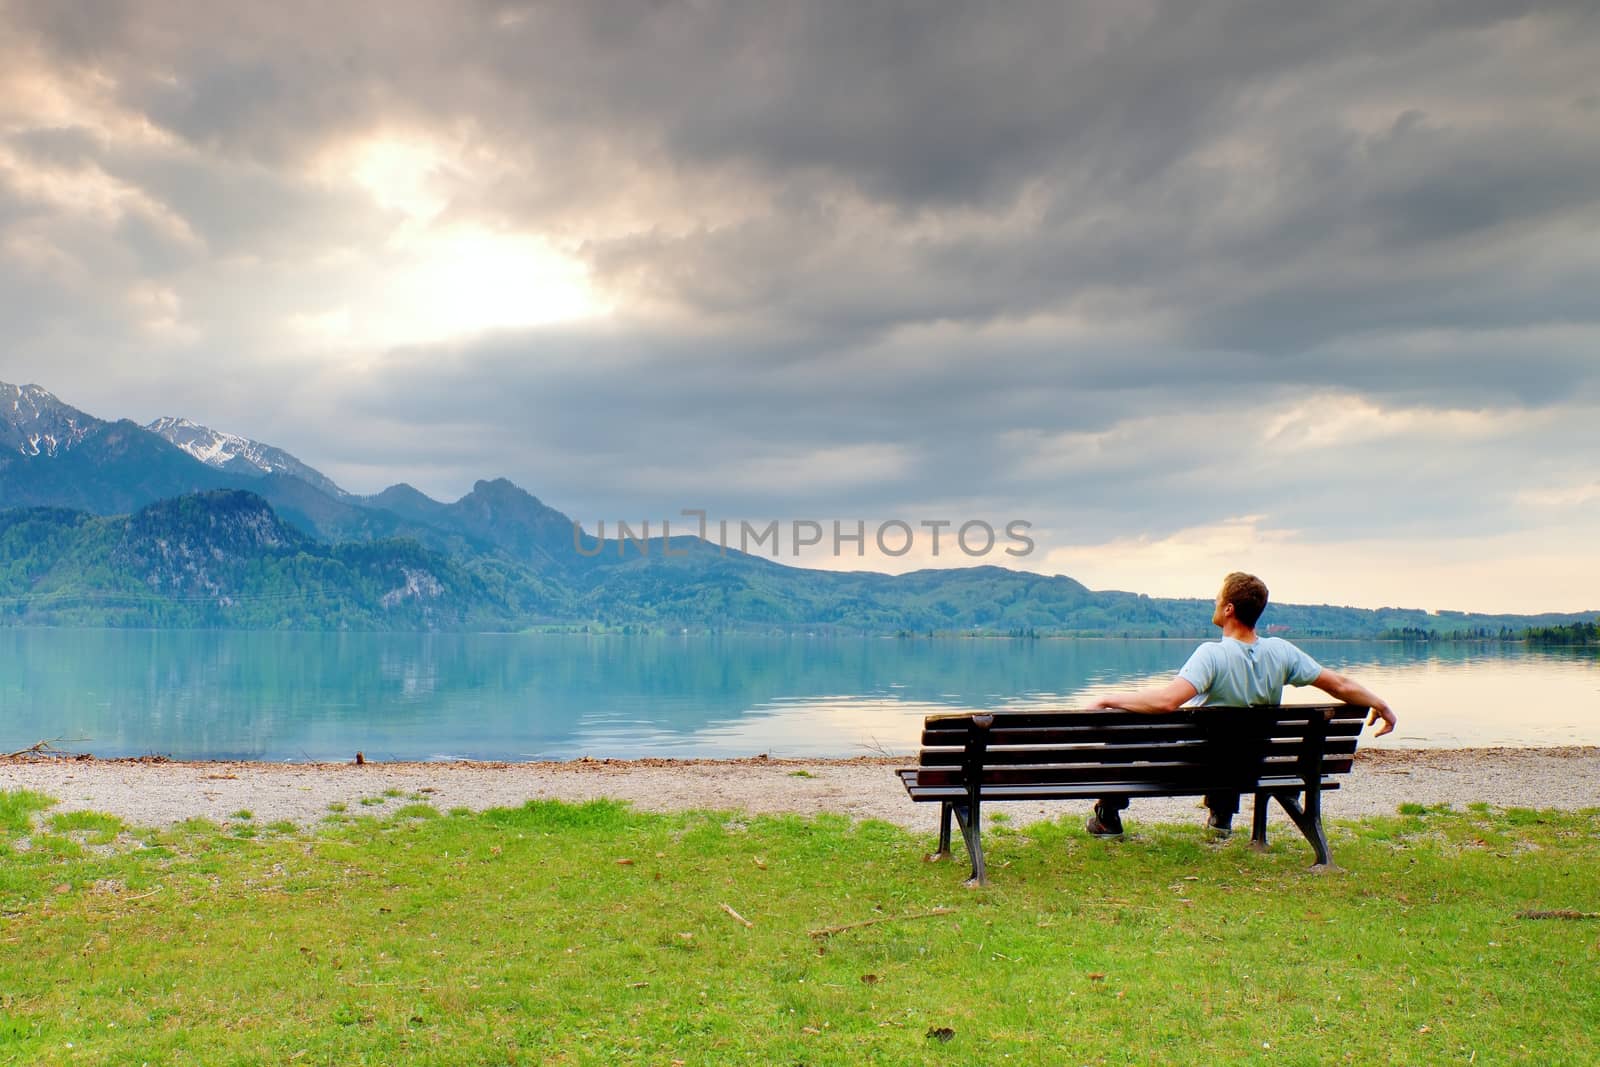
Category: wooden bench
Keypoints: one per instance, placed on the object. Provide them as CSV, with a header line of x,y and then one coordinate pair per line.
x,y
1271,752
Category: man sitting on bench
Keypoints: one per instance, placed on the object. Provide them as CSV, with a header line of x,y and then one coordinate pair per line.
x,y
1241,670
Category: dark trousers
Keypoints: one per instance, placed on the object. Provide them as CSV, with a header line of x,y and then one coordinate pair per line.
x,y
1223,806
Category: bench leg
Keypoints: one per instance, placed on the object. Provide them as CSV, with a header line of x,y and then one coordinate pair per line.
x,y
1258,822
943,852
967,816
1309,820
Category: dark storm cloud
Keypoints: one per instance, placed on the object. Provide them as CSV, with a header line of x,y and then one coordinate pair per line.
x,y
980,242
1074,139
610,436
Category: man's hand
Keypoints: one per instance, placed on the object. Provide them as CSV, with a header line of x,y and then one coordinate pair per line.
x,y
1107,704
1352,692
1380,710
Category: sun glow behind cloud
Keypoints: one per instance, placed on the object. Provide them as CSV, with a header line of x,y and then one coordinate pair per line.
x,y
436,278
467,280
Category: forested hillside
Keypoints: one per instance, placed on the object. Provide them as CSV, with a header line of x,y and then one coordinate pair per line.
x,y
224,558
227,558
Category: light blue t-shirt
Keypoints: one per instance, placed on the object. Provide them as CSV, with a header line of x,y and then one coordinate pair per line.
x,y
1230,672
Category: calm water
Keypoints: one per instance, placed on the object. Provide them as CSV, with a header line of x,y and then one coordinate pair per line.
x,y
403,696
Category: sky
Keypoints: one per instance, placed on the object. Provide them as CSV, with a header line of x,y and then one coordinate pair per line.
x,y
1305,290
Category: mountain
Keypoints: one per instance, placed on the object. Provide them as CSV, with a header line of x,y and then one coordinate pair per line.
x,y
113,468
516,522
406,501
500,516
238,455
62,457
341,518
53,455
121,467
67,459
225,558
112,523
34,422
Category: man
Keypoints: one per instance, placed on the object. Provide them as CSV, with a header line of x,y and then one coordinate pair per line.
x,y
1241,670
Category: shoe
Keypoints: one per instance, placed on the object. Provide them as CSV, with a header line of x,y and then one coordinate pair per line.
x,y
1220,827
1104,824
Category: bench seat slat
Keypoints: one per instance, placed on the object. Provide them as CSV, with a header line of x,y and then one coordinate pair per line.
x,y
1010,733
1340,764
1206,751
1139,772
1095,790
1060,771
1152,734
958,722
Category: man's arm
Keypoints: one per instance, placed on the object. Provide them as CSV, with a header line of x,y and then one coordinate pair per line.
x,y
1152,698
1353,692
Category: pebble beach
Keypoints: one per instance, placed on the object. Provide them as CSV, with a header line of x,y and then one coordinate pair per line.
x,y
160,792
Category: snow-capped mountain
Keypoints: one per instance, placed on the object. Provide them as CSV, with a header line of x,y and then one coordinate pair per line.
x,y
238,455
34,422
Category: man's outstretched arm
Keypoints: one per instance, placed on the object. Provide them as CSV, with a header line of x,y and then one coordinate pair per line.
x,y
1154,698
1353,692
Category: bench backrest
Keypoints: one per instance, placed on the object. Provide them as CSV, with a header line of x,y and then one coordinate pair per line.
x,y
1216,747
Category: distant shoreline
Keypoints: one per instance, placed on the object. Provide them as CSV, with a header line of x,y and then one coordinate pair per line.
x,y
819,632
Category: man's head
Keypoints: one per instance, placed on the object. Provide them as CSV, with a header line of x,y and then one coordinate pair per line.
x,y
1248,596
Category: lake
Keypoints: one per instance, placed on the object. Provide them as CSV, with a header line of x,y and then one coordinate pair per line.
x,y
299,696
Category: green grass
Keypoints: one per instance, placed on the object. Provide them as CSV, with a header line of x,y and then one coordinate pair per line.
x,y
17,808
416,811
595,934
94,827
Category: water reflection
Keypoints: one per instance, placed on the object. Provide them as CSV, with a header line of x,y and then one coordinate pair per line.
x,y
401,696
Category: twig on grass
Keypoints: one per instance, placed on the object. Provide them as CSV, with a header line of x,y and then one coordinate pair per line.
x,y
737,916
829,931
1559,913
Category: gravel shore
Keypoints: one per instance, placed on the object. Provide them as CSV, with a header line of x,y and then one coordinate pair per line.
x,y
157,792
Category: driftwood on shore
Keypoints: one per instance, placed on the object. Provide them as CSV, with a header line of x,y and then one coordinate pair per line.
x,y
47,748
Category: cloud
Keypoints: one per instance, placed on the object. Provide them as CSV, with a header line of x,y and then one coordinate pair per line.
x,y
1126,269
1514,572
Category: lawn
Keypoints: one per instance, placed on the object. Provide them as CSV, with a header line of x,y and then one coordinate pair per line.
x,y
596,934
